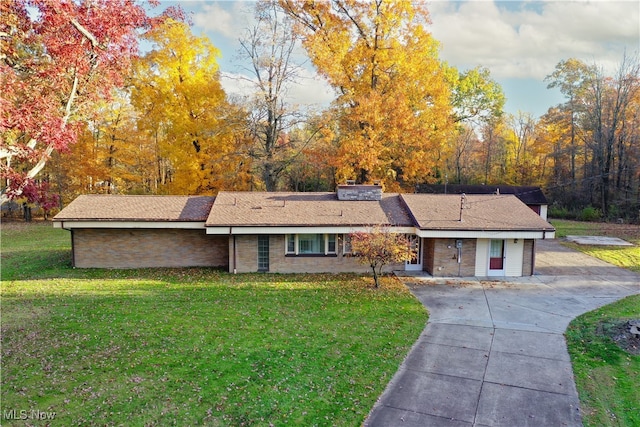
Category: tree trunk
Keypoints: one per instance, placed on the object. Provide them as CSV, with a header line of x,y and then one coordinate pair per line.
x,y
27,212
375,276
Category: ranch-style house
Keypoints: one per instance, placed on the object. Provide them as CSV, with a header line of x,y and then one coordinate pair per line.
x,y
284,232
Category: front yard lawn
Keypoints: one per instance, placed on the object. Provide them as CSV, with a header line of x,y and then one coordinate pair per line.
x,y
622,256
607,377
193,346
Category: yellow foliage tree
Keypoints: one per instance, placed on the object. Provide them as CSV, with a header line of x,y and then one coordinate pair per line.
x,y
110,155
395,101
181,104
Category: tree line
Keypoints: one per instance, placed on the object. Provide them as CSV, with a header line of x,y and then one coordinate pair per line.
x,y
85,113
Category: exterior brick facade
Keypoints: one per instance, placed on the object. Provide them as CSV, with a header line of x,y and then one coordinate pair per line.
x,y
528,257
440,257
137,248
246,256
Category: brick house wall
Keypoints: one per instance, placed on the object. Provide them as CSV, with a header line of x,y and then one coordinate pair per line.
x,y
136,248
246,254
246,250
440,257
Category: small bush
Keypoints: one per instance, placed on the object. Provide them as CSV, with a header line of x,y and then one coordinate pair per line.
x,y
560,212
590,214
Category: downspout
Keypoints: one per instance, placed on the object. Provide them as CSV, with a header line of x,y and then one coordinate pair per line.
x,y
533,257
73,248
235,269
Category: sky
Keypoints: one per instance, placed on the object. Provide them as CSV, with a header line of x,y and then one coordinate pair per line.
x,y
520,42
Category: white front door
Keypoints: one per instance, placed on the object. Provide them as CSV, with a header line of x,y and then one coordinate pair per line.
x,y
496,258
416,263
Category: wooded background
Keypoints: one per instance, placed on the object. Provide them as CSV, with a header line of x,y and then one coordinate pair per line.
x,y
83,112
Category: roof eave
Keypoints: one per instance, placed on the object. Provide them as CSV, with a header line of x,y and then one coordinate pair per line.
x,y
97,223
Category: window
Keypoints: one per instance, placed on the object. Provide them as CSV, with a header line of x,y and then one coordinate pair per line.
x,y
311,244
291,243
331,243
346,244
263,253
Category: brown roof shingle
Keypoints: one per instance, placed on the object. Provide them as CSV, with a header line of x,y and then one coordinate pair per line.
x,y
303,209
137,208
480,212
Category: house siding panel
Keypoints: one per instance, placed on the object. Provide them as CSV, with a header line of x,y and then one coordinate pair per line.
x,y
543,212
137,248
513,253
482,257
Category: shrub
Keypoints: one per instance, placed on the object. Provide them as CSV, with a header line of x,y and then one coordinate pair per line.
x,y
590,214
560,212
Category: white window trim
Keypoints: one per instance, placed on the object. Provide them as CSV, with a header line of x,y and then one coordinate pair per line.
x,y
296,246
346,245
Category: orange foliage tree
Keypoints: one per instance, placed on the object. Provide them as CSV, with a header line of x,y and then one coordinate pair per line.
x,y
182,106
394,103
379,247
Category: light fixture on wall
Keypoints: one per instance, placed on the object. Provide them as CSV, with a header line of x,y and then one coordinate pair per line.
x,y
515,240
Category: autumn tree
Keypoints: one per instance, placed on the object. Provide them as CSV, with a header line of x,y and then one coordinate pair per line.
x,y
597,126
394,103
380,247
519,146
571,77
181,105
57,57
476,97
111,155
269,47
477,101
314,167
608,124
492,152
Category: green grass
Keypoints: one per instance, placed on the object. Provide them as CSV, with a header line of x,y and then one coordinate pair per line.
x,y
193,346
33,250
622,256
607,378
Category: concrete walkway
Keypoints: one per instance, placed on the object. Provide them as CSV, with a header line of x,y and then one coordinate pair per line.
x,y
493,352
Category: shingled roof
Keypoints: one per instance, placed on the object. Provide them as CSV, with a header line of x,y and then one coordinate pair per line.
x,y
530,195
479,212
96,207
287,209
304,209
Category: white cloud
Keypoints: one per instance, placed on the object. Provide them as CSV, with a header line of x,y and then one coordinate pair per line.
x,y
225,18
527,40
310,92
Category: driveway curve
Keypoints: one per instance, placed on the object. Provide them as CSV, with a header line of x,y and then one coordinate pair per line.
x,y
493,352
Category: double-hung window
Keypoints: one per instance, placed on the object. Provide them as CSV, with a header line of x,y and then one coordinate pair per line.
x,y
311,244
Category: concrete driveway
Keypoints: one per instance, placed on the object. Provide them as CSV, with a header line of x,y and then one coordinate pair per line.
x,y
493,352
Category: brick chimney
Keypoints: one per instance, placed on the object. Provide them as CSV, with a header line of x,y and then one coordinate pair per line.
x,y
351,191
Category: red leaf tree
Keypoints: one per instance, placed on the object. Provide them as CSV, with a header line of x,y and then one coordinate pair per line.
x,y
379,247
57,57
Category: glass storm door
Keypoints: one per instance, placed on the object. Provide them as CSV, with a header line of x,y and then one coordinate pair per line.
x,y
416,262
496,258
